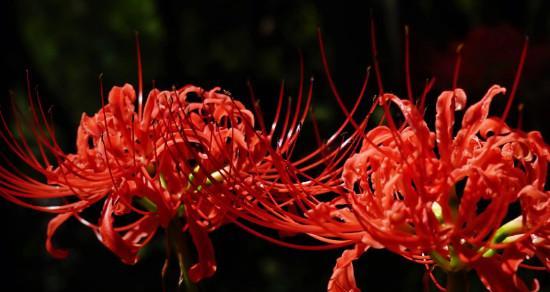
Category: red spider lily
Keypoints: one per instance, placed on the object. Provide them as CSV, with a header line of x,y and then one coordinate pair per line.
x,y
433,197
148,166
193,165
203,160
444,198
405,189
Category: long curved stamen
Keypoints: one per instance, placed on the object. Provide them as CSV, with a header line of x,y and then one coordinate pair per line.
x,y
408,65
516,79
140,78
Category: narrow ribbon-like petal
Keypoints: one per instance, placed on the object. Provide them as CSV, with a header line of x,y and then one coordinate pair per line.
x,y
207,264
53,225
343,278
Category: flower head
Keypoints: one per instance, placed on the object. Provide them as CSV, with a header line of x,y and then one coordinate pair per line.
x,y
445,198
147,167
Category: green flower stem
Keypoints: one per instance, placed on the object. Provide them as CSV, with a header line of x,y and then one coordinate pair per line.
x,y
505,231
176,240
457,281
440,261
147,204
452,265
457,276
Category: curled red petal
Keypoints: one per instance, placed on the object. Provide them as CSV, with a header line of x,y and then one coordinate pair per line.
x,y
500,276
151,109
53,225
127,246
343,278
475,115
447,103
206,266
110,238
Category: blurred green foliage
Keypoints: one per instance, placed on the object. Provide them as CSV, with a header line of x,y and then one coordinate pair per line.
x,y
72,42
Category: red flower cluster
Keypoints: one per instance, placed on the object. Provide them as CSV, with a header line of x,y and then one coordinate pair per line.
x,y
459,198
148,168
188,156
436,197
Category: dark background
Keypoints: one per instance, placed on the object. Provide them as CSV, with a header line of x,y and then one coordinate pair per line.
x,y
67,44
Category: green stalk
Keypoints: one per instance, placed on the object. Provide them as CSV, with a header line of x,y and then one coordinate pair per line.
x,y
506,231
147,204
457,281
176,240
